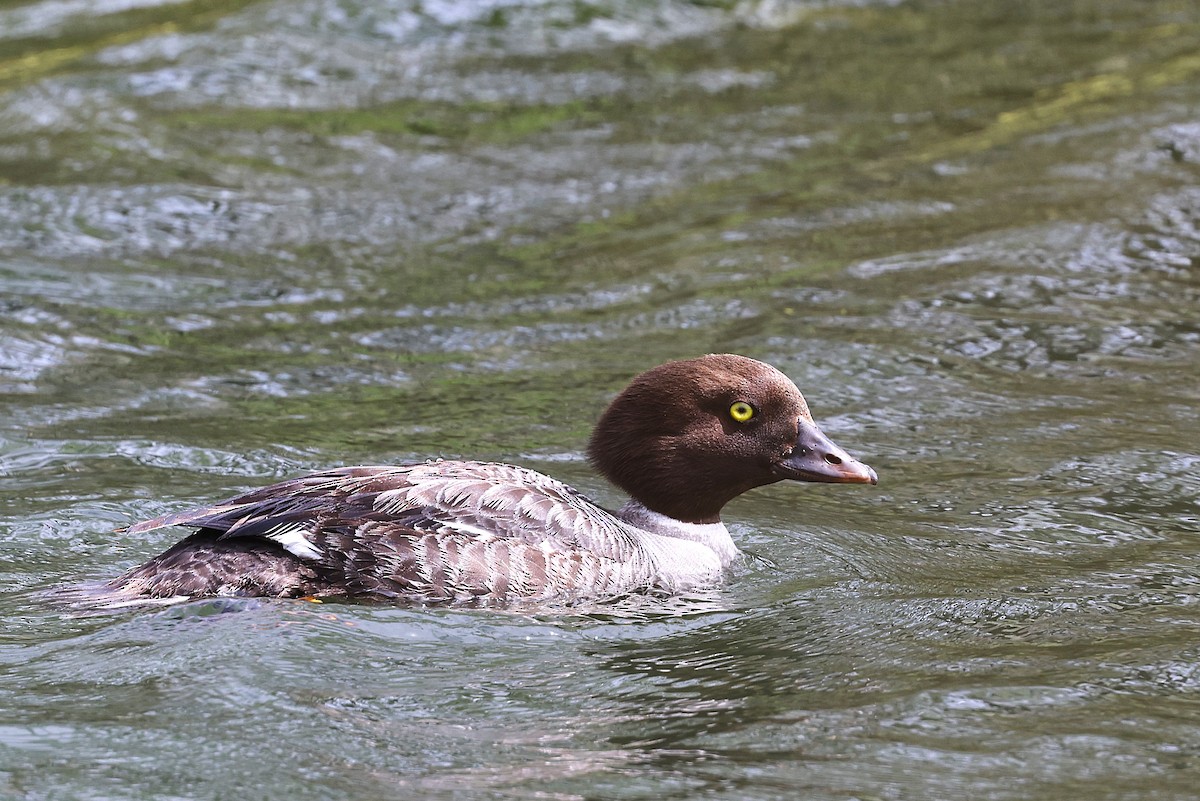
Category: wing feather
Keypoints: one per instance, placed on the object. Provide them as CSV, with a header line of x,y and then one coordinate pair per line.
x,y
471,501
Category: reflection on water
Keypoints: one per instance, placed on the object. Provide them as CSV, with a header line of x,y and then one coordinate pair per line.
x,y
242,240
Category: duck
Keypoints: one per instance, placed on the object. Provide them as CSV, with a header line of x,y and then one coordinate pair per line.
x,y
681,440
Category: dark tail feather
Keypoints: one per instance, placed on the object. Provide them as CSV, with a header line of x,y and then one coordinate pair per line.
x,y
203,565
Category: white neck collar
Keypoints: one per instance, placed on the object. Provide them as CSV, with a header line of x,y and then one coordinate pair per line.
x,y
711,535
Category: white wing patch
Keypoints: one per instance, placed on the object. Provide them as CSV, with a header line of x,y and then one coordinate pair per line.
x,y
460,527
294,541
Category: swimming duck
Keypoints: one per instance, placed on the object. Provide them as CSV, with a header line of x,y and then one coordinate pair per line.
x,y
683,439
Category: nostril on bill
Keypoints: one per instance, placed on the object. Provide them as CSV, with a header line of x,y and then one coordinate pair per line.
x,y
832,458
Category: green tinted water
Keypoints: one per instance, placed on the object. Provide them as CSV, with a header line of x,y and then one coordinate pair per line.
x,y
240,241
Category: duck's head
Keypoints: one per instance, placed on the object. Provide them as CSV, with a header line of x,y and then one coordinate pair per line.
x,y
686,437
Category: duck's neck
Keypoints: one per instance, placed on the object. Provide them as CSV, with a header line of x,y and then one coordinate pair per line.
x,y
711,535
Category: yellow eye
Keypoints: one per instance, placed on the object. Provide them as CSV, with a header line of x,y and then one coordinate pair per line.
x,y
741,411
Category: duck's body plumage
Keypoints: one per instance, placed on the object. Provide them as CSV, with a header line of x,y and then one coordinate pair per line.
x,y
444,531
683,439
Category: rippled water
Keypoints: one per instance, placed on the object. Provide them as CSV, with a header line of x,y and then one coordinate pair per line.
x,y
242,240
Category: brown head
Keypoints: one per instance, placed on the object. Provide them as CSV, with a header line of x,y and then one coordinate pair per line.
x,y
687,437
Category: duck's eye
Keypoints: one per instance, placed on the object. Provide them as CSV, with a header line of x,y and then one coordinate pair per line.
x,y
741,411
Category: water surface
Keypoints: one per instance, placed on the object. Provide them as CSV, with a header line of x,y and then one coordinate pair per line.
x,y
243,240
